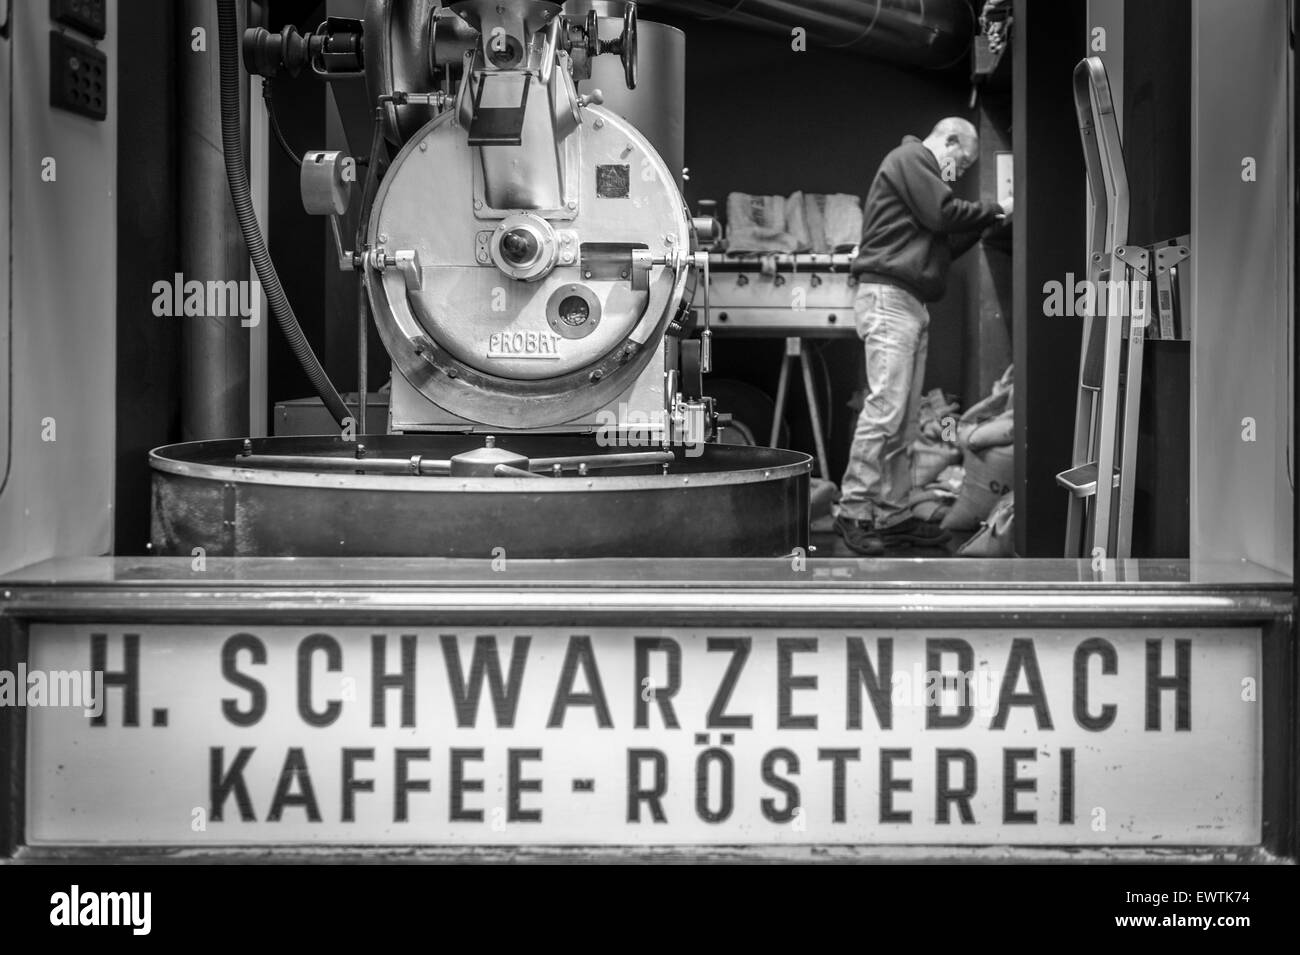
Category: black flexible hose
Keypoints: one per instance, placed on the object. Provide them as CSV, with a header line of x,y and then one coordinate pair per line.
x,y
275,123
237,177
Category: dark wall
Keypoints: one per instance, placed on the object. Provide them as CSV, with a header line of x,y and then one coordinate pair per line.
x,y
988,265
1049,39
1158,158
761,118
764,119
1158,118
148,348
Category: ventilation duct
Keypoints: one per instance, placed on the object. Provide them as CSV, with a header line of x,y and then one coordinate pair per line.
x,y
930,34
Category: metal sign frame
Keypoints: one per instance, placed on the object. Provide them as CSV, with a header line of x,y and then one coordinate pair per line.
x,y
758,594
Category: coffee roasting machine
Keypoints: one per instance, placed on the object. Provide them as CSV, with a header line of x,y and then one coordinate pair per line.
x,y
529,262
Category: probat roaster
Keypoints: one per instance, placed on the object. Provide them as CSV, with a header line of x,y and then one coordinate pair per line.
x,y
529,262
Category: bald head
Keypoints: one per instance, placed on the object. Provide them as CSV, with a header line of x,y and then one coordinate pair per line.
x,y
954,126
955,143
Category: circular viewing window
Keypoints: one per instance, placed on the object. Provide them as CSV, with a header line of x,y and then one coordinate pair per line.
x,y
574,311
519,247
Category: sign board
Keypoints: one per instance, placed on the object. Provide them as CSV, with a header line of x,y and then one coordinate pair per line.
x,y
222,736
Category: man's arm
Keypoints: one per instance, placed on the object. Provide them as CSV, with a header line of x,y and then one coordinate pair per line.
x,y
961,243
934,205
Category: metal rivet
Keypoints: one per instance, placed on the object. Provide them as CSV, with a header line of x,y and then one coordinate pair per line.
x,y
424,145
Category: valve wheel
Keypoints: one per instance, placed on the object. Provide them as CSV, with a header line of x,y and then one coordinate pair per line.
x,y
628,44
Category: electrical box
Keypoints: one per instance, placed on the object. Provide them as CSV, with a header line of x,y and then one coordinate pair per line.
x,y
87,16
78,77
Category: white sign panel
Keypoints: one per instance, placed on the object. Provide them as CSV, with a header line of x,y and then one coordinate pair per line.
x,y
608,736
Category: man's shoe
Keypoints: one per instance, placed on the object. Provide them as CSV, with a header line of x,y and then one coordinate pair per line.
x,y
860,537
914,531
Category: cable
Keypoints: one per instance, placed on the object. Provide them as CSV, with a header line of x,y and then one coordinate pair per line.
x,y
275,123
237,177
279,133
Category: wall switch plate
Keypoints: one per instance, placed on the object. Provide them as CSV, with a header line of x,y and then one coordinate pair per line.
x,y
88,16
78,77
1006,171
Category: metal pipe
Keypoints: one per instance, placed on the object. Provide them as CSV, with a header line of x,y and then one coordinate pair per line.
x,y
505,470
324,463
375,166
932,34
629,460
214,350
363,355
433,467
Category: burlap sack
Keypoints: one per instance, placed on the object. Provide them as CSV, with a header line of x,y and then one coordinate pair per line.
x,y
996,538
988,476
757,224
994,433
814,213
929,458
843,221
796,222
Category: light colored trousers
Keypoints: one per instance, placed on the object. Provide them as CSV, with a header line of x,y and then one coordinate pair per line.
x,y
894,327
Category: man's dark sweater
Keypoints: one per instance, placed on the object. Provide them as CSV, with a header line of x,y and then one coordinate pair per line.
x,y
913,226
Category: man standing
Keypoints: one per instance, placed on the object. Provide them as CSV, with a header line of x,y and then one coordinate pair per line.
x,y
913,227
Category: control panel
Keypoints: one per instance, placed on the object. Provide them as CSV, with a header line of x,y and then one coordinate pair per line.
x,y
78,77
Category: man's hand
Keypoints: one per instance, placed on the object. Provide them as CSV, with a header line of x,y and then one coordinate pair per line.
x,y
1007,205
